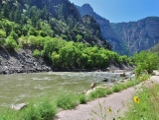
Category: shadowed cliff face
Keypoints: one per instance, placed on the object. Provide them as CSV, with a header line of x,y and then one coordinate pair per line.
x,y
126,38
105,28
140,35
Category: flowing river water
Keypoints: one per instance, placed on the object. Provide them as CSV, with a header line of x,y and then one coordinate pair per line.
x,y
18,88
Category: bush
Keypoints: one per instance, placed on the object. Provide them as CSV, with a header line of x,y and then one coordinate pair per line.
x,y
99,92
14,35
34,41
36,53
23,41
46,110
117,88
2,34
82,99
146,62
67,101
10,43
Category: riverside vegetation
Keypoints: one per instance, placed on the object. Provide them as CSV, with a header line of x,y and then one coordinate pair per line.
x,y
47,107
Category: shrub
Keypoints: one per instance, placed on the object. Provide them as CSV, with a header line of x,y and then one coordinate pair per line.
x,y
14,35
2,34
46,110
117,88
10,43
32,31
146,62
34,41
36,53
82,98
99,92
23,41
67,101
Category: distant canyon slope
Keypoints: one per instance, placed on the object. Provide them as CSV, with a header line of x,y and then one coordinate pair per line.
x,y
126,38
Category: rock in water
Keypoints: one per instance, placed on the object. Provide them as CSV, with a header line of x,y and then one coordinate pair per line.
x,y
18,106
93,85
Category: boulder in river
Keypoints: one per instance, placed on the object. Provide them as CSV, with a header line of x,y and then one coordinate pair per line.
x,y
122,75
93,85
18,106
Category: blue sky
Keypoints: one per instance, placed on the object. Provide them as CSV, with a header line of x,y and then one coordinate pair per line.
x,y
122,10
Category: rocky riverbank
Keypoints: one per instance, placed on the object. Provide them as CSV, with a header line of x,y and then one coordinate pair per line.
x,y
22,61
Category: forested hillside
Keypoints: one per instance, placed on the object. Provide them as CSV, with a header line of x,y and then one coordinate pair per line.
x,y
54,18
52,30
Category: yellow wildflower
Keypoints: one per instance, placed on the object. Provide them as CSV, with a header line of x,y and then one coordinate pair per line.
x,y
140,77
109,110
136,99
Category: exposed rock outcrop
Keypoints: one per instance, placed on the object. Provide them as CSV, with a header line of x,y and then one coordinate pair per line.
x,y
21,62
140,35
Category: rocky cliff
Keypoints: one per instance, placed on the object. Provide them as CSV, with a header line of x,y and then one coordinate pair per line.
x,y
105,28
126,38
140,35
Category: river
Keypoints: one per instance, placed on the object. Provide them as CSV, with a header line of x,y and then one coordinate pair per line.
x,y
18,88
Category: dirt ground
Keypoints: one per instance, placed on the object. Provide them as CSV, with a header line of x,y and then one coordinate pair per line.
x,y
118,103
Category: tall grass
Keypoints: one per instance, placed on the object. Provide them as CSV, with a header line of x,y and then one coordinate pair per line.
x,y
99,92
42,110
67,101
148,106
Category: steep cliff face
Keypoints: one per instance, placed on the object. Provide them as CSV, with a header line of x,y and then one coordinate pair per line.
x,y
105,28
140,35
126,38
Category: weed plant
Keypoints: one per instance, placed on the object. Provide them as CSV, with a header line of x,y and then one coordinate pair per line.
x,y
146,107
82,98
67,101
99,92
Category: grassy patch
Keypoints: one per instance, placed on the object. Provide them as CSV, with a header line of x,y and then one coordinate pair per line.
x,y
117,88
43,110
147,107
99,92
67,101
82,98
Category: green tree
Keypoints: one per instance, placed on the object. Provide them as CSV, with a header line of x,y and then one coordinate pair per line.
x,y
79,38
146,62
10,43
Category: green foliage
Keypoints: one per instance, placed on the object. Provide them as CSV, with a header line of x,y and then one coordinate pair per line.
x,y
79,38
6,25
82,98
37,53
67,101
33,32
2,33
148,106
99,92
14,35
117,88
146,62
45,109
10,43
2,36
